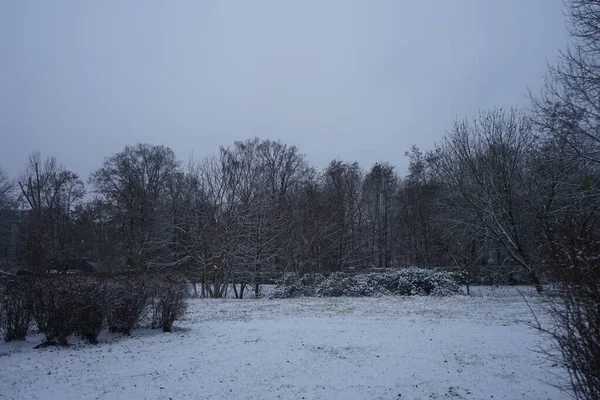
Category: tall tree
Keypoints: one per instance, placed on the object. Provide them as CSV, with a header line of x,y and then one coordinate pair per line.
x,y
421,219
51,193
9,222
567,114
7,191
569,103
132,183
483,163
380,188
342,246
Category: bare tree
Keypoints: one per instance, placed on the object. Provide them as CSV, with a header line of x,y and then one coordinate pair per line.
x,y
569,102
97,236
8,222
420,218
51,193
316,229
284,171
132,182
343,239
380,189
211,230
237,221
7,191
482,162
567,114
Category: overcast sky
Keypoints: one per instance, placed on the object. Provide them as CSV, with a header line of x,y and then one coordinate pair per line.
x,y
352,80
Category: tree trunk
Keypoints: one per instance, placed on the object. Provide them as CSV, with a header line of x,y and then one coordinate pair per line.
x,y
535,280
256,290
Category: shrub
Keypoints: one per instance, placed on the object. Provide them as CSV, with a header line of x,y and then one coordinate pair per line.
x,y
62,305
89,311
402,282
575,311
127,297
15,308
294,285
53,305
336,285
168,301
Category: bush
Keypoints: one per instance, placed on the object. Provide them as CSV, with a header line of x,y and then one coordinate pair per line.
x,y
53,308
127,297
168,301
15,308
89,311
338,284
294,285
401,282
575,311
62,305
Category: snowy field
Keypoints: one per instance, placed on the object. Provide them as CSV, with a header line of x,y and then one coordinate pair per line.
x,y
308,348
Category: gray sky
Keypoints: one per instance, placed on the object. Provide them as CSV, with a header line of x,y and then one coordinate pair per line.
x,y
353,80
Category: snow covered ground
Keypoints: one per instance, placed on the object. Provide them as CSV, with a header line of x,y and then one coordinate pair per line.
x,y
306,348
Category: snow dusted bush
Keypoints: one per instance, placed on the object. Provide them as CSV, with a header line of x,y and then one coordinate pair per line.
x,y
159,296
168,300
400,282
422,282
339,284
127,298
294,285
15,308
63,305
89,313
53,308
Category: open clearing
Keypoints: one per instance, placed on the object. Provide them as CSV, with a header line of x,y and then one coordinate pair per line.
x,y
306,348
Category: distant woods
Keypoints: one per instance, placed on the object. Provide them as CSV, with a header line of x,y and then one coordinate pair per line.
x,y
492,193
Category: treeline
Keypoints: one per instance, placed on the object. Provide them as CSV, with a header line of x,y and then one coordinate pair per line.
x,y
248,214
495,191
258,209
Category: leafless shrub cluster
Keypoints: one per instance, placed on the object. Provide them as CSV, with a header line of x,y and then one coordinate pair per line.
x,y
575,312
567,115
168,301
63,305
15,308
128,298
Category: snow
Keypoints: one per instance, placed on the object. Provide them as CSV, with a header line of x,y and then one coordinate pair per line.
x,y
303,348
501,291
